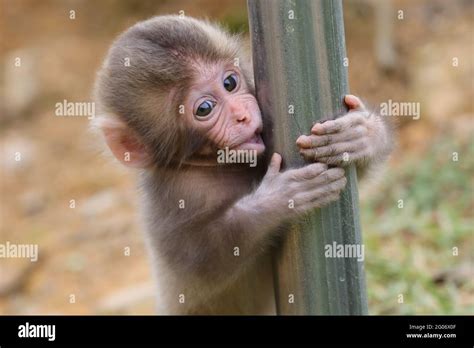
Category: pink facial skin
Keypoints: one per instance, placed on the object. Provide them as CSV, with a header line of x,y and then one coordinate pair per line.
x,y
235,120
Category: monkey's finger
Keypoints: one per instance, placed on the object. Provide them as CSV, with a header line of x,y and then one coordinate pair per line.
x,y
321,181
310,141
346,158
333,188
275,164
329,176
318,203
308,172
325,200
340,124
334,149
353,102
315,197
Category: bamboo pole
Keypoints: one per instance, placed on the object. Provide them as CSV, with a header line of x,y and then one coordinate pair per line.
x,y
298,54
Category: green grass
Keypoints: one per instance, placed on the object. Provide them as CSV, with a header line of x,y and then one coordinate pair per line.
x,y
407,248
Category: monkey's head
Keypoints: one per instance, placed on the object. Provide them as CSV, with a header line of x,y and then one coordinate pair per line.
x,y
177,89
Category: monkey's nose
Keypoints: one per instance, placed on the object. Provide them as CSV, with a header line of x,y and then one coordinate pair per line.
x,y
243,117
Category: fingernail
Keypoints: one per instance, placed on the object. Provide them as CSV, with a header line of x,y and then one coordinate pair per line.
x,y
301,139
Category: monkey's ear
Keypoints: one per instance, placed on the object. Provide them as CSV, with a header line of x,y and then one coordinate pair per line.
x,y
124,143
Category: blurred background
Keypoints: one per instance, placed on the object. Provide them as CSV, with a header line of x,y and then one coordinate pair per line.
x,y
79,206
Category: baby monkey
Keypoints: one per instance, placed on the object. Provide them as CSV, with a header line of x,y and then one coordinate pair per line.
x,y
170,98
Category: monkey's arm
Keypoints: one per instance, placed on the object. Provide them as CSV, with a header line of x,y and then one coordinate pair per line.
x,y
359,137
207,246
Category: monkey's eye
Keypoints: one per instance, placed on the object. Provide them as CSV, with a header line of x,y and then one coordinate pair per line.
x,y
230,82
205,108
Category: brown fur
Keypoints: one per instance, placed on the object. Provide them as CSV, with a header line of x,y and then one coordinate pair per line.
x,y
226,206
145,96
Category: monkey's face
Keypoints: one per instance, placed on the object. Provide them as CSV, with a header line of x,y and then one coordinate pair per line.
x,y
221,107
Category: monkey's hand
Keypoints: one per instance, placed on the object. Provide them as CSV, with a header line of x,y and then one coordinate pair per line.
x,y
297,191
250,222
359,137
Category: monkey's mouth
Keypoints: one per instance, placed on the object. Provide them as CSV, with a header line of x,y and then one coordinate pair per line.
x,y
255,142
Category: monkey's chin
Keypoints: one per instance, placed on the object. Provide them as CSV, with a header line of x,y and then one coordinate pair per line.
x,y
255,143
